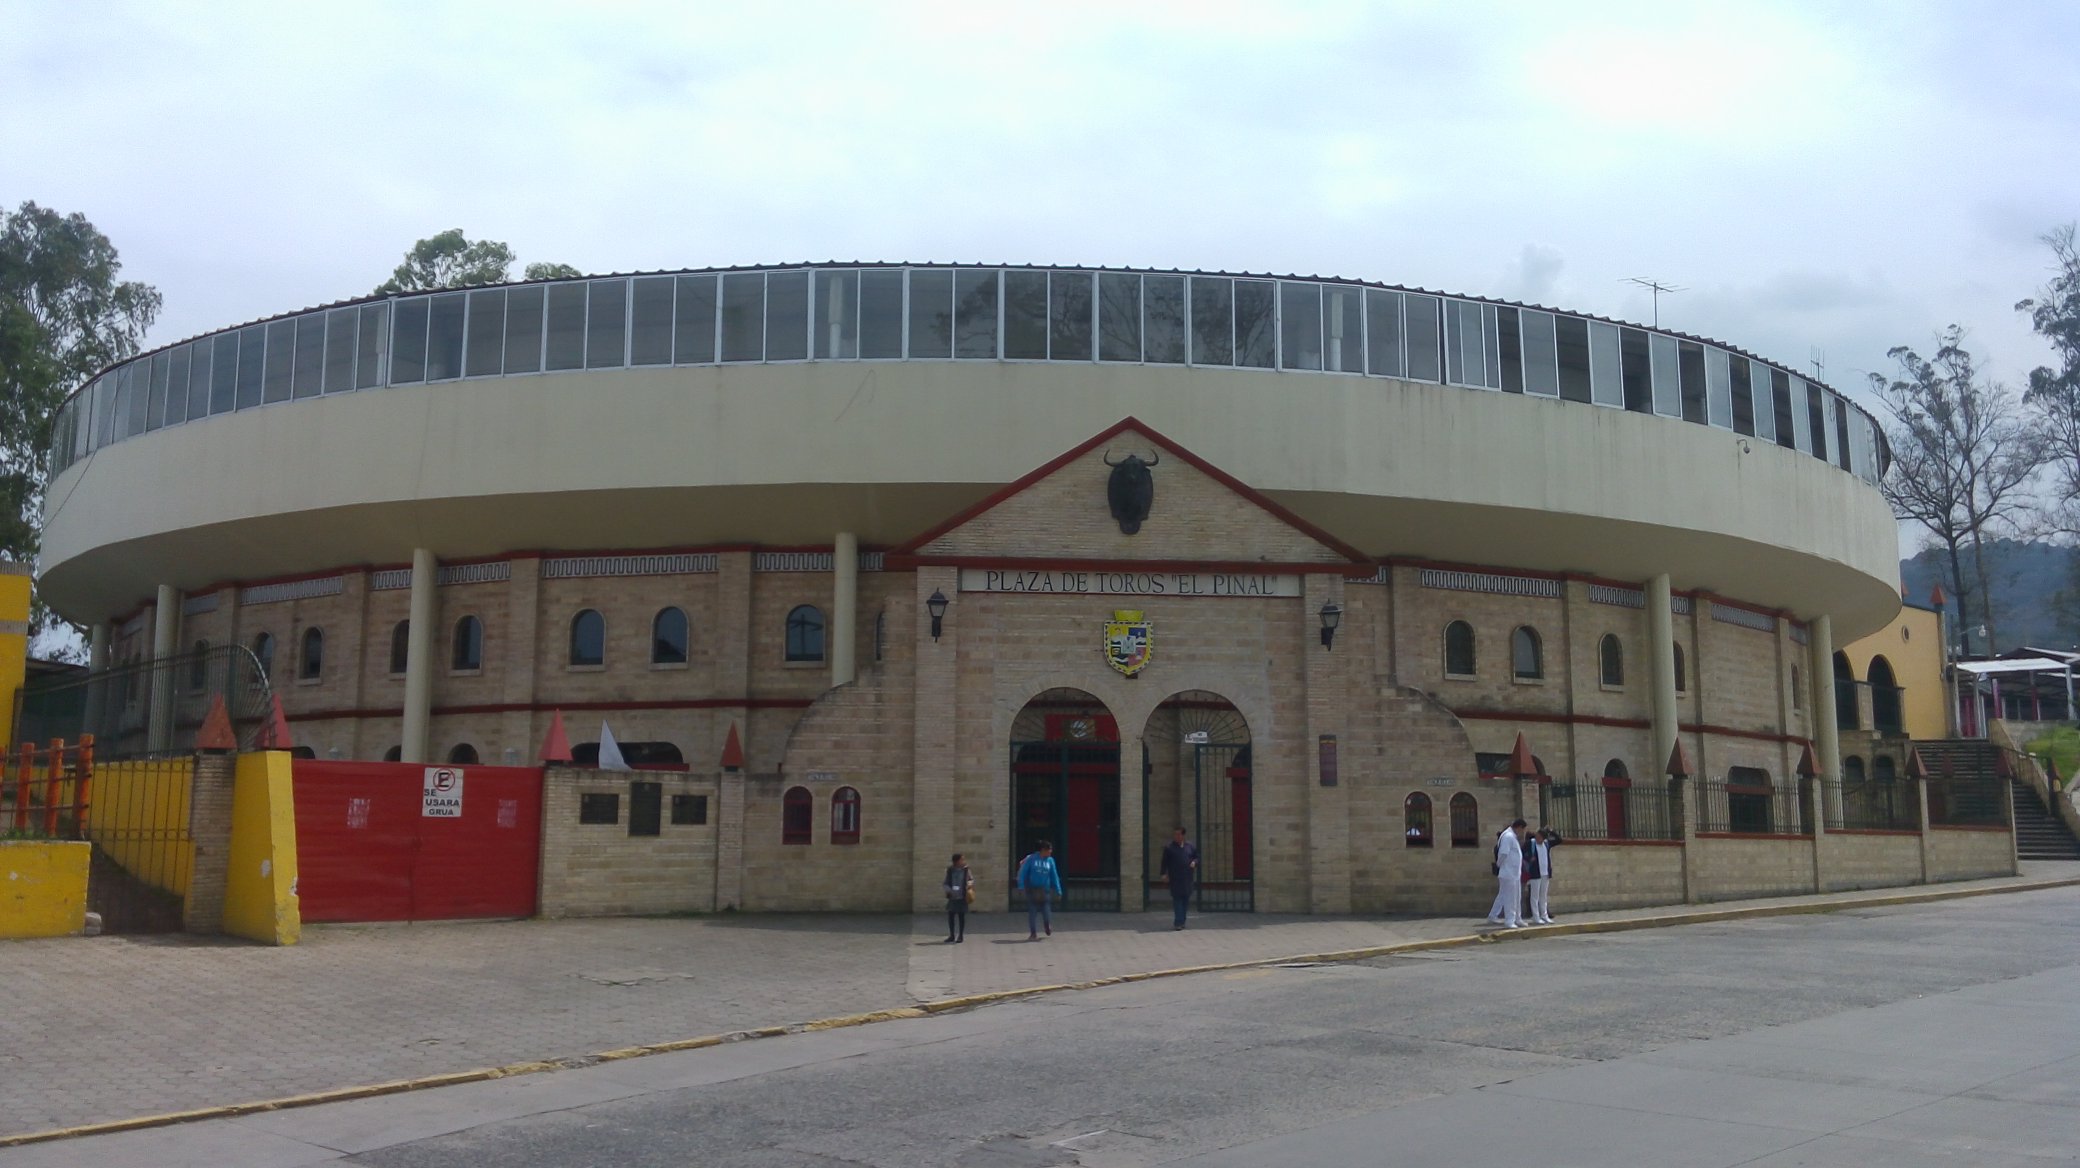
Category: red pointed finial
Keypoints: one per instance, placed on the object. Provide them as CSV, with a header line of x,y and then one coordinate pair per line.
x,y
1808,766
216,732
1936,597
275,734
732,751
1917,767
556,746
1679,761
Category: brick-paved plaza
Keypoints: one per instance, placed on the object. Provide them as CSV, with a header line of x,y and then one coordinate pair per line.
x,y
114,1027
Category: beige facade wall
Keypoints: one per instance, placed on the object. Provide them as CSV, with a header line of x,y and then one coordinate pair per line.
x,y
599,869
1733,869
1970,853
1869,859
1598,874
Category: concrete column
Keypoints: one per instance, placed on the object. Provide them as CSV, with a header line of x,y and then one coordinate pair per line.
x,y
844,608
936,759
418,660
166,634
209,829
1827,741
1661,674
1921,817
97,686
97,647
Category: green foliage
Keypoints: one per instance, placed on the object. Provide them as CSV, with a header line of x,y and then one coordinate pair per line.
x,y
540,271
2035,592
2054,391
449,260
64,315
2063,745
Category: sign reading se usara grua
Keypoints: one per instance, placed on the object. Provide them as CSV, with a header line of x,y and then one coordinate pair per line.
x,y
1103,582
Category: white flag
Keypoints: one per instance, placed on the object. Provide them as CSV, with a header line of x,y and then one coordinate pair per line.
x,y
610,752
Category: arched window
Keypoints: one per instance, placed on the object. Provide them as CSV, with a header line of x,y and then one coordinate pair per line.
x,y
1615,770
198,667
1458,649
1852,770
1612,655
845,816
1847,715
263,651
400,646
796,808
1885,695
1525,655
1682,671
880,634
1466,821
1798,690
1884,770
394,754
310,664
805,634
1748,799
1415,812
462,754
588,638
469,645
668,637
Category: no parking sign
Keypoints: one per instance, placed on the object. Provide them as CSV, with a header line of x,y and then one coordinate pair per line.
x,y
441,797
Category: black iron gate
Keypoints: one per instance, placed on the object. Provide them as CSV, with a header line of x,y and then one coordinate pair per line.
x,y
1221,818
1067,794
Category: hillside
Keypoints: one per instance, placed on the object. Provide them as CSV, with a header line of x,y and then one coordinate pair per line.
x,y
2036,591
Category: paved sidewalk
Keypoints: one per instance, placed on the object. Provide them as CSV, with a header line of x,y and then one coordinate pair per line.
x,y
113,1027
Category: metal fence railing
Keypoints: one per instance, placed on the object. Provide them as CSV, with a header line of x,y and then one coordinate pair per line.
x,y
1871,805
1592,811
1968,802
121,707
1749,809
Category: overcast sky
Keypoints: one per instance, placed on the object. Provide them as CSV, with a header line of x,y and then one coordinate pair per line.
x,y
1842,178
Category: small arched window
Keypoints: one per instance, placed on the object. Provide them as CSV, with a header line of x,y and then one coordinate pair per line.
x,y
588,638
462,754
880,634
469,645
796,808
1852,769
1525,655
1415,814
845,816
805,634
1798,690
1612,655
1466,821
198,667
668,637
394,754
310,664
1884,770
400,646
1458,649
1682,672
1615,774
263,651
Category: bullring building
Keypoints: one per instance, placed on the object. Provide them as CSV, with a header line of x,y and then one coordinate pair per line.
x,y
961,558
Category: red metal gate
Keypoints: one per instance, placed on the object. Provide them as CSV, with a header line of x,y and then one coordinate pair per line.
x,y
386,841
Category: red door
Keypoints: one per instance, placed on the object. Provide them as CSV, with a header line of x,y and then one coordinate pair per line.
x,y
1616,823
1086,853
368,849
1239,807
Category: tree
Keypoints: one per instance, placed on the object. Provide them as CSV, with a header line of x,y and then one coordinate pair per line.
x,y
452,260
63,317
1962,461
2054,392
449,260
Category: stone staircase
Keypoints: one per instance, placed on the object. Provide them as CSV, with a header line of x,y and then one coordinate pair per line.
x,y
2039,834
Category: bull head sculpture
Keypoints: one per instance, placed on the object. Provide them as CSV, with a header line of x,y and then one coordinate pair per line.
x,y
1131,490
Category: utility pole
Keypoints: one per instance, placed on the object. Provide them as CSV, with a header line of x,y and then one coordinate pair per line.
x,y
1657,288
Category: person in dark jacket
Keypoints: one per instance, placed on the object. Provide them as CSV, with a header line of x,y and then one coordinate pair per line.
x,y
959,889
1538,865
1181,869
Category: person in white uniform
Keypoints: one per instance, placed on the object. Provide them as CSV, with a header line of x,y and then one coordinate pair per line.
x,y
1538,860
1509,877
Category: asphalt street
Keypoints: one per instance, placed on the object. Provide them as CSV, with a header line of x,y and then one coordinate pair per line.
x,y
1945,1033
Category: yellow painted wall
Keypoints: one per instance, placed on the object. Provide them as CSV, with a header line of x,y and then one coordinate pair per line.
x,y
138,813
1913,645
260,900
43,888
14,641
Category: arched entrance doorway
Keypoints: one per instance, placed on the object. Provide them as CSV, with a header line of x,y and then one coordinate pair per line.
x,y
1196,774
1065,791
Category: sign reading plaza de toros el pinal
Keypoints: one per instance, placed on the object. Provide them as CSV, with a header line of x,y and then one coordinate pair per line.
x,y
1102,582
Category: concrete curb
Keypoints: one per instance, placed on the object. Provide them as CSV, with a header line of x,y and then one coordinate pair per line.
x,y
969,1001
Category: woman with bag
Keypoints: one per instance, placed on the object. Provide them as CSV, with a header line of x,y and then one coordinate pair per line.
x,y
960,893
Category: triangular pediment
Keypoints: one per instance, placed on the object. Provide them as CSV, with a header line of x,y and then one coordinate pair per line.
x,y
1197,514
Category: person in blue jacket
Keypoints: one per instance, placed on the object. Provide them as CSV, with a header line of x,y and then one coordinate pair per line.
x,y
1038,880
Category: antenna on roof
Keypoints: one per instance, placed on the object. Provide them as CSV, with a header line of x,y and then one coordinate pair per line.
x,y
1818,360
1657,287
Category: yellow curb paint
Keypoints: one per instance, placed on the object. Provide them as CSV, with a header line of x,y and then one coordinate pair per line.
x,y
944,1005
